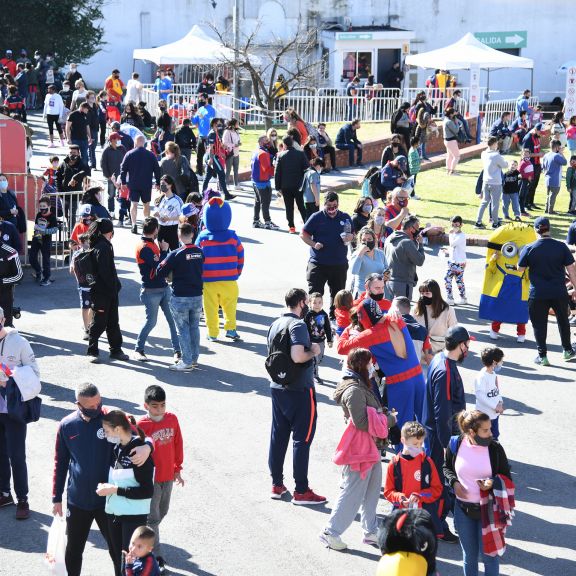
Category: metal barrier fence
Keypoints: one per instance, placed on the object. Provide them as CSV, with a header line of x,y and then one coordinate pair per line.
x,y
494,109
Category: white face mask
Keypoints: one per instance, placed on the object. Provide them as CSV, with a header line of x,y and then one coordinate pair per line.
x,y
412,450
113,439
156,418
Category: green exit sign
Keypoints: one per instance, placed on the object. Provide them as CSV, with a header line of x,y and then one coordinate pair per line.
x,y
516,39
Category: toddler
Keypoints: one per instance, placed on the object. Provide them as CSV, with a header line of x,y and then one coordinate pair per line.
x,y
319,328
511,189
414,163
456,261
83,286
343,303
487,391
139,560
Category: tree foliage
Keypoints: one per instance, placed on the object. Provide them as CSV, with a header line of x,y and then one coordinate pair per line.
x,y
72,30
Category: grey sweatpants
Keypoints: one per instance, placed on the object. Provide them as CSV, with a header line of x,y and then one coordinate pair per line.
x,y
399,289
491,194
552,192
355,494
318,359
158,509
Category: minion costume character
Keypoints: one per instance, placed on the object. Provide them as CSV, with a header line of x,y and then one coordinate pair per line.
x,y
505,290
224,260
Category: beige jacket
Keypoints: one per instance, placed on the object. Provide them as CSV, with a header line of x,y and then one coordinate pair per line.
x,y
437,327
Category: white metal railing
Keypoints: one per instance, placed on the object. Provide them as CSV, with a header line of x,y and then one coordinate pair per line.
x,y
494,109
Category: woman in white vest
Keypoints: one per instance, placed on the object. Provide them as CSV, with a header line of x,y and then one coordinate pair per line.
x,y
130,488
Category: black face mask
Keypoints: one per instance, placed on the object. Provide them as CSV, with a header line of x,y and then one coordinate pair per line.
x,y
426,300
44,210
370,244
482,441
305,310
90,412
376,297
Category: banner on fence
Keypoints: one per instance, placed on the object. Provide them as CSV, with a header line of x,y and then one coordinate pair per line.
x,y
570,100
474,102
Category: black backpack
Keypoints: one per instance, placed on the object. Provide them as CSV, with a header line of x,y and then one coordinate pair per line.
x,y
279,364
84,268
375,185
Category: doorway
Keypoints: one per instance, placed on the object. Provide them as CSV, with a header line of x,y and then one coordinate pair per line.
x,y
386,58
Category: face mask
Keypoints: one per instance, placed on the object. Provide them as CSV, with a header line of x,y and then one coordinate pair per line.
x,y
273,137
113,439
163,187
90,412
462,356
403,202
156,418
483,441
379,220
305,310
497,368
44,210
412,450
73,158
86,221
331,211
376,297
4,185
54,164
426,300
367,208
313,146
370,244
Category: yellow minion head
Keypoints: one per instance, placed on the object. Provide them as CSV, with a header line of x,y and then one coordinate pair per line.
x,y
507,242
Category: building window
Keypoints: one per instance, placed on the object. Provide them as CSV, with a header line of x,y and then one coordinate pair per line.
x,y
356,64
511,51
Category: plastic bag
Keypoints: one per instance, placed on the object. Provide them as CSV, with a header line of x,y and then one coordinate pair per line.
x,y
56,547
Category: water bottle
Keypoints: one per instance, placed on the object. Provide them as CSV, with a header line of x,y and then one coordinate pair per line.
x,y
347,230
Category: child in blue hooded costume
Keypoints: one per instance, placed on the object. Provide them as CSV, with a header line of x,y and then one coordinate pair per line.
x,y
224,260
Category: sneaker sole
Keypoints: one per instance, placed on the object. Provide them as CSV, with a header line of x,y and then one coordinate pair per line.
x,y
569,359
189,369
278,496
7,504
307,503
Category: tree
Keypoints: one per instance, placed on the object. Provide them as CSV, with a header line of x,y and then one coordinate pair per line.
x,y
295,60
70,29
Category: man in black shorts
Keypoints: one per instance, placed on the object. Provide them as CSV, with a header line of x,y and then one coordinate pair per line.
x,y
137,169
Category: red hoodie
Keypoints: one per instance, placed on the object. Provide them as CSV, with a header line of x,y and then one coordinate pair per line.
x,y
168,449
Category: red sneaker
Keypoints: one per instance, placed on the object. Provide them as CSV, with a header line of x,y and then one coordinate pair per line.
x,y
308,498
278,492
292,231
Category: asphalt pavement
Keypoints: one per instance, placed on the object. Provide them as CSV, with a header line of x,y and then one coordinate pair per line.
x,y
222,522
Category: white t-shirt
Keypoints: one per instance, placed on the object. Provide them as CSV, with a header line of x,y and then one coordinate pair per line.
x,y
53,105
457,251
487,393
133,91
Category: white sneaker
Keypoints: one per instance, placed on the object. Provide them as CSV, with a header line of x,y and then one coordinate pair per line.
x,y
333,542
370,539
462,301
494,335
450,301
181,367
521,339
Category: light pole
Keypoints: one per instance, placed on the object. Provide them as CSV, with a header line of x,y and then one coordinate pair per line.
x,y
236,30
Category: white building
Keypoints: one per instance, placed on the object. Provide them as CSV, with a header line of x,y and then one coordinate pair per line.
x,y
372,34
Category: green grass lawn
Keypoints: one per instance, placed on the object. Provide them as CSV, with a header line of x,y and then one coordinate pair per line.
x,y
249,136
444,197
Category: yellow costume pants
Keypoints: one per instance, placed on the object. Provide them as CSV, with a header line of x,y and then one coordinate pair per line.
x,y
222,294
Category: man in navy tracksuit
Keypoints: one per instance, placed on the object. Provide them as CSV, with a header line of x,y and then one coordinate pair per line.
x,y
84,455
136,171
294,405
444,398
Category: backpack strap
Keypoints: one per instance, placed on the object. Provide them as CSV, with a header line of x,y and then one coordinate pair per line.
x,y
448,386
454,444
425,473
397,473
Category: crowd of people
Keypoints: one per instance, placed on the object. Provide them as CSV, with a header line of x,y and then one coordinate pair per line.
x,y
400,391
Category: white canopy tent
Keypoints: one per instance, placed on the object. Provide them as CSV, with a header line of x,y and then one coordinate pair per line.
x,y
468,53
195,48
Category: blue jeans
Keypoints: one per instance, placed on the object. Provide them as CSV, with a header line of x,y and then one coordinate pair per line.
x,y
153,300
186,312
351,147
470,533
13,457
511,198
83,145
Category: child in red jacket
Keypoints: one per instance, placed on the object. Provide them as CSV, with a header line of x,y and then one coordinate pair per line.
x,y
164,429
412,480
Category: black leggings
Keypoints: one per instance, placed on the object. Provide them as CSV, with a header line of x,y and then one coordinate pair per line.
x,y
78,523
120,530
169,234
53,121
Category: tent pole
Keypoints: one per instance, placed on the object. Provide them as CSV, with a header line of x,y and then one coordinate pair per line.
x,y
236,26
488,87
531,80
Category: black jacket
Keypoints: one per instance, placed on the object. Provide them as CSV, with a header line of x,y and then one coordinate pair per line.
x,y
388,154
107,282
111,160
7,202
185,138
498,461
67,171
290,170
